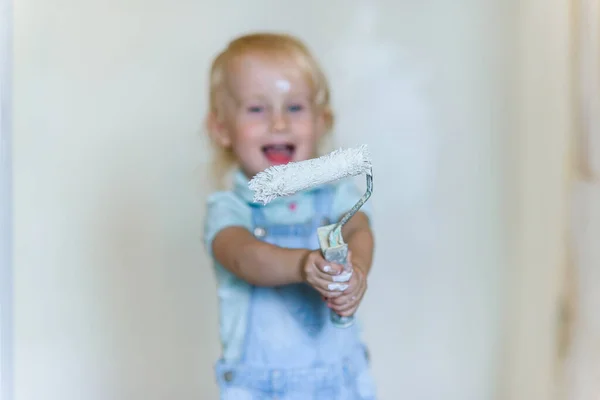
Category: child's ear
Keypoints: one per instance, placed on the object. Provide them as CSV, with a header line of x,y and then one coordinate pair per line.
x,y
217,130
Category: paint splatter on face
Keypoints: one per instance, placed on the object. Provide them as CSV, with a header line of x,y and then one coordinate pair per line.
x,y
283,85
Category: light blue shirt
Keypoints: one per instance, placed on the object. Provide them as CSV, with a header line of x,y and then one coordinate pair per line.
x,y
232,208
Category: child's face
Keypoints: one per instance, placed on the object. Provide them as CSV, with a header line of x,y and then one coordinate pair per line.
x,y
270,117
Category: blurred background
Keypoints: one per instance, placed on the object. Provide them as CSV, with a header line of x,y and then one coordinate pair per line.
x,y
480,116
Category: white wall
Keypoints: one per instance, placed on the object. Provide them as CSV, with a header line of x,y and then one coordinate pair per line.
x,y
541,156
115,298
6,304
582,365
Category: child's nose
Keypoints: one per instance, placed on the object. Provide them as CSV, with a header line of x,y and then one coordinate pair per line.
x,y
279,123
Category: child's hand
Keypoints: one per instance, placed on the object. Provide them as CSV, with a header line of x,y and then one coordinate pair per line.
x,y
319,273
347,304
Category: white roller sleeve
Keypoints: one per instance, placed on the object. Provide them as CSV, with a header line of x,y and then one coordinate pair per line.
x,y
284,180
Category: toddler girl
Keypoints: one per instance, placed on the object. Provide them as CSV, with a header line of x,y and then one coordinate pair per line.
x,y
269,104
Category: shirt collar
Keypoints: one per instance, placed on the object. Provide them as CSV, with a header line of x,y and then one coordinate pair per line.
x,y
240,186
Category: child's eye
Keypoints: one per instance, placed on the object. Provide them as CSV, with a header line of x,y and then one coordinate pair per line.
x,y
255,109
295,107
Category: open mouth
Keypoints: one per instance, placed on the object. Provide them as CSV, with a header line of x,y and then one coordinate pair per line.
x,y
279,153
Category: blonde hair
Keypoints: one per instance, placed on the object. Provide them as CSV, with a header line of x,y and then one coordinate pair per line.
x,y
275,46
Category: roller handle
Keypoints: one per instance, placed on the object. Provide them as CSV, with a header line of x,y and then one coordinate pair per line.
x,y
339,255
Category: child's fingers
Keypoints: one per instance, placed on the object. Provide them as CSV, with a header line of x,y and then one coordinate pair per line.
x,y
326,287
349,292
355,285
326,293
328,267
346,298
341,301
325,277
349,312
346,304
317,274
355,291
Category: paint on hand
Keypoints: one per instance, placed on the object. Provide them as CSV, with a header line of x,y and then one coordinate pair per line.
x,y
339,287
343,277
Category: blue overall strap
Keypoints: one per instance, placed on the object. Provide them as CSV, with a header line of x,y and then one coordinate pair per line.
x,y
262,227
323,206
258,216
290,230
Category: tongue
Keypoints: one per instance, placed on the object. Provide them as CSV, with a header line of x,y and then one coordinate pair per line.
x,y
278,156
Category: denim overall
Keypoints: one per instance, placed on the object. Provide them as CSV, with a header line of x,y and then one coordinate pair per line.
x,y
291,350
